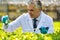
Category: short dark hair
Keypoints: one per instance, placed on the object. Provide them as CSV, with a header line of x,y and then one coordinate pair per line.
x,y
37,3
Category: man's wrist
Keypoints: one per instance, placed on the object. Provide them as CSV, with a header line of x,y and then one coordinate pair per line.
x,y
5,23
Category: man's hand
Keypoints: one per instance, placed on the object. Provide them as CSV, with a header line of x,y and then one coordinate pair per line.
x,y
44,30
5,19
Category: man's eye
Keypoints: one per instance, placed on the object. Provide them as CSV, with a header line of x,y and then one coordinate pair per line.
x,y
30,10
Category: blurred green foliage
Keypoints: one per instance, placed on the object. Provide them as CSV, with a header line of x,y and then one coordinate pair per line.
x,y
19,35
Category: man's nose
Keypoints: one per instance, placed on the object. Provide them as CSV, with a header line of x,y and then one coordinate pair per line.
x,y
29,11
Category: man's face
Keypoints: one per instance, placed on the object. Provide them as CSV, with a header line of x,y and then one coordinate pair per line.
x,y
32,10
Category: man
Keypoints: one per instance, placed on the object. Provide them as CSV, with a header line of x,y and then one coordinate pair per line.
x,y
35,20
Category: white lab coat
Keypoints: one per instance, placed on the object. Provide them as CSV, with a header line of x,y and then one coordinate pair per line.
x,y
25,22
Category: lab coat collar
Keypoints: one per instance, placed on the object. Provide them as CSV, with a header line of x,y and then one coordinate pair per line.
x,y
29,20
41,18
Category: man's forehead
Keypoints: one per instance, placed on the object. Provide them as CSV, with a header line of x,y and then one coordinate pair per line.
x,y
31,6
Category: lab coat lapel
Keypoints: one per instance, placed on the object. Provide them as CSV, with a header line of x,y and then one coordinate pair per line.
x,y
30,21
41,20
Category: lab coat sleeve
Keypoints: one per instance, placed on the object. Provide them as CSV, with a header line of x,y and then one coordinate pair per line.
x,y
50,25
13,25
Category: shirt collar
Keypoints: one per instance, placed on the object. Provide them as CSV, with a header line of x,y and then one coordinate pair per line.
x,y
38,17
